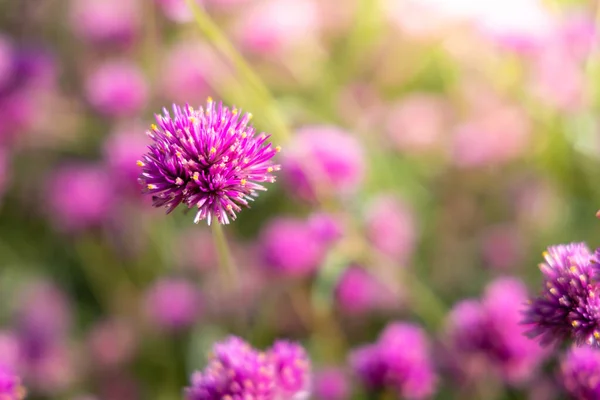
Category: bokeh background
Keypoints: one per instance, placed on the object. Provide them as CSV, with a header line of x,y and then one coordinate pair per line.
x,y
429,148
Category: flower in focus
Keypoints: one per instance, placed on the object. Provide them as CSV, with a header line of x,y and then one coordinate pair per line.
x,y
323,160
580,373
400,360
10,385
569,304
173,304
209,159
117,89
289,247
331,384
491,328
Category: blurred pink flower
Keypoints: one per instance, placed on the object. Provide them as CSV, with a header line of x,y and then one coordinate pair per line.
x,y
358,292
122,150
331,384
111,343
117,88
498,134
188,70
106,21
271,26
418,123
326,227
7,60
9,349
52,371
79,196
288,247
391,227
173,304
324,157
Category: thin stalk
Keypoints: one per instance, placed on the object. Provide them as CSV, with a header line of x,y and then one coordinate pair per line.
x,y
226,265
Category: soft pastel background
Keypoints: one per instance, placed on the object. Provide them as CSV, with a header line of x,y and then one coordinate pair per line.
x,y
429,147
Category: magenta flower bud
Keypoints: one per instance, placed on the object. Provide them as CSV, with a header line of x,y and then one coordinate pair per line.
x,y
79,196
10,385
106,21
208,159
580,373
117,89
391,227
289,247
331,384
173,304
324,160
292,370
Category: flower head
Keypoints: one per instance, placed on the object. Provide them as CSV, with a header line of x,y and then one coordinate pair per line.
x,y
209,159
292,369
580,373
10,385
569,305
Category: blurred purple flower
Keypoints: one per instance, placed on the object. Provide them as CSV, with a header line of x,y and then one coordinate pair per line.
x,y
209,159
111,343
491,328
580,373
323,160
358,292
502,247
121,152
400,360
7,61
174,304
117,88
391,227
569,305
189,69
289,247
235,370
292,370
326,227
10,385
79,196
9,349
106,21
331,384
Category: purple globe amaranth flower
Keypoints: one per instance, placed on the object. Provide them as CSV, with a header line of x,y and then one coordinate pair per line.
x,y
331,383
209,159
173,304
235,371
10,385
400,360
292,370
323,160
106,21
290,248
569,305
491,330
580,373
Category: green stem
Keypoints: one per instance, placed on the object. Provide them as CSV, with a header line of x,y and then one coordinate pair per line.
x,y
226,264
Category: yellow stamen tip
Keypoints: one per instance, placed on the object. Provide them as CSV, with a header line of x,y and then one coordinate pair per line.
x,y
249,116
270,169
213,150
209,99
140,163
277,149
151,186
243,182
154,127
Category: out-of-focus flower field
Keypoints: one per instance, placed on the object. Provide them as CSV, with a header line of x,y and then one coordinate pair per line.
x,y
428,152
